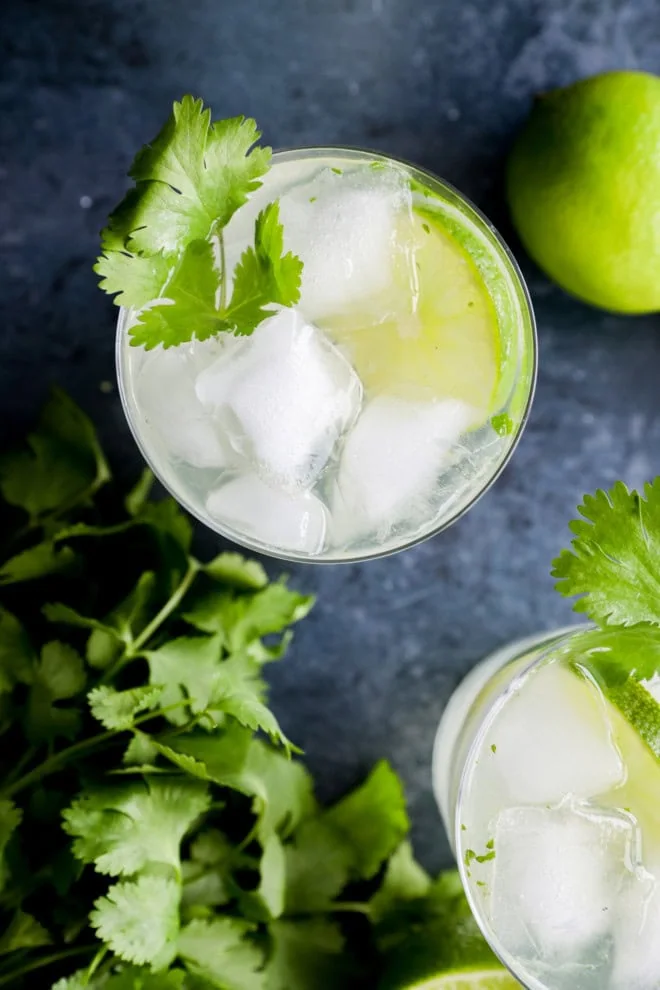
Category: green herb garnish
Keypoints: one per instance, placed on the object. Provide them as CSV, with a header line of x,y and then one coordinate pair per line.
x,y
163,250
155,833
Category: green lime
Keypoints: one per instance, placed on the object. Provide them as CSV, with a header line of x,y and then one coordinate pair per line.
x,y
583,184
469,979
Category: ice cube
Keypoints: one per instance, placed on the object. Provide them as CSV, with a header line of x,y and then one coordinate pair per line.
x,y
284,397
556,878
165,396
392,460
274,518
353,230
636,942
554,739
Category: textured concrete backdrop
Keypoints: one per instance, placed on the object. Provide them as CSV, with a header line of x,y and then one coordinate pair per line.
x,y
83,83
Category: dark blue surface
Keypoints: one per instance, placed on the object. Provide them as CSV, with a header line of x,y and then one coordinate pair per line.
x,y
442,82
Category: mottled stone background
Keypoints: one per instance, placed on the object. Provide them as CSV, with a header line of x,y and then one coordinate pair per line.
x,y
445,83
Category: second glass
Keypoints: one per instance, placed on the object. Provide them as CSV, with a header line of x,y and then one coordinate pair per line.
x,y
547,777
377,411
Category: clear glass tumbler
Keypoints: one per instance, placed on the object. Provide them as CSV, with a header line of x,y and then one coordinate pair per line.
x,y
380,491
548,782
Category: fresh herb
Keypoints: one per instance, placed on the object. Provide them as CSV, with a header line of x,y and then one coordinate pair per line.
x,y
614,561
155,833
163,250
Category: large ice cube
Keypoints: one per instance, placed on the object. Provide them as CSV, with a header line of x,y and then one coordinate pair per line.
x,y
353,231
391,461
636,941
165,395
554,739
556,878
276,519
284,396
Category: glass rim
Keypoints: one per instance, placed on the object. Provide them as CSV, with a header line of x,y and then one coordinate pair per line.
x,y
528,317
555,641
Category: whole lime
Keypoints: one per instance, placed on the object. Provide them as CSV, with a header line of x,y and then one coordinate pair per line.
x,y
583,184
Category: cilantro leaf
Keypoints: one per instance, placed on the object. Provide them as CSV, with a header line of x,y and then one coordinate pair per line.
x,y
192,669
237,572
132,279
242,619
10,818
206,873
306,955
220,950
140,750
404,880
190,180
318,867
238,691
282,788
24,932
139,920
186,668
16,653
616,653
130,978
188,306
266,903
268,611
219,757
63,465
37,561
58,676
123,829
613,561
264,277
169,521
117,709
372,819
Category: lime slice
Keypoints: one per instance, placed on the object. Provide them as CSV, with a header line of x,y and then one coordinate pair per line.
x,y
449,348
473,979
635,721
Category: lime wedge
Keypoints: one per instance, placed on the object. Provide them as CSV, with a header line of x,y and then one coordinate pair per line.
x,y
473,979
449,348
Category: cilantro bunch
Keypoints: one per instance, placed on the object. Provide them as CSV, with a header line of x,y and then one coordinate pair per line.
x,y
155,831
164,251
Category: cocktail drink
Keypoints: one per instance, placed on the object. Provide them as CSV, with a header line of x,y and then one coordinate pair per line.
x,y
546,772
365,393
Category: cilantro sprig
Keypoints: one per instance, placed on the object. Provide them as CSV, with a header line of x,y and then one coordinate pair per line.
x,y
613,568
155,831
163,250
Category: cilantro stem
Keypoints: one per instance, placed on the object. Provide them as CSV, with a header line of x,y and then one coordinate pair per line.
x,y
45,961
56,761
28,755
173,603
170,606
96,962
